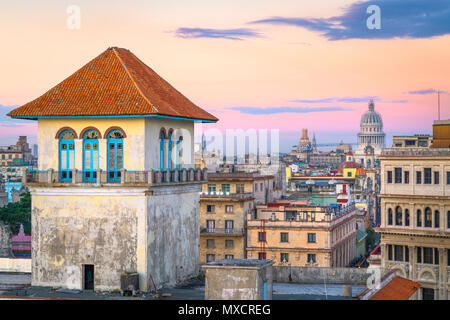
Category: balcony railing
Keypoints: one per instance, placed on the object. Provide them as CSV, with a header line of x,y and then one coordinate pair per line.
x,y
123,176
223,231
226,195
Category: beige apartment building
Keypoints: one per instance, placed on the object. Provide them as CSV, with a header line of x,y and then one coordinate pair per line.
x,y
295,234
225,203
415,218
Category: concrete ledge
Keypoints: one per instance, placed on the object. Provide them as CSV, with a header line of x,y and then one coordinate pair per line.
x,y
15,265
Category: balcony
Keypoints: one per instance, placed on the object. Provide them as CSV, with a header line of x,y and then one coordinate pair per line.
x,y
222,231
121,177
207,195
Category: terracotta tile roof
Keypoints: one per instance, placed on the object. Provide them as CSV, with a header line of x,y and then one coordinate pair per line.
x,y
113,84
397,289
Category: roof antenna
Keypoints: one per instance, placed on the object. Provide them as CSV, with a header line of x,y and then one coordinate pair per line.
x,y
439,106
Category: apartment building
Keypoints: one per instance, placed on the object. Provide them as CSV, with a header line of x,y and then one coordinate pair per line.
x,y
293,233
225,203
415,217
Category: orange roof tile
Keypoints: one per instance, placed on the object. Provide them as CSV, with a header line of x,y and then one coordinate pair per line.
x,y
115,83
397,289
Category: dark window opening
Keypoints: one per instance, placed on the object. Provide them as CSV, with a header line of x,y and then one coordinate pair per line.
x,y
88,277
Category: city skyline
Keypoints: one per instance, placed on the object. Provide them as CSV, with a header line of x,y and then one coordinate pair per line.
x,y
265,66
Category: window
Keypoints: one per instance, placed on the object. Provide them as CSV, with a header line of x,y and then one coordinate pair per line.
x,y
419,218
256,187
284,257
427,176
448,257
66,155
448,177
389,177
261,187
90,155
406,254
311,258
290,215
436,177
284,237
349,174
398,253
240,188
261,255
229,208
390,216
178,152
398,175
229,256
419,255
261,236
229,243
418,177
211,188
389,247
210,243
115,155
406,177
398,216
210,225
428,218
210,257
210,208
162,164
448,219
436,256
436,219
225,188
407,217
427,294
428,255
311,237
229,226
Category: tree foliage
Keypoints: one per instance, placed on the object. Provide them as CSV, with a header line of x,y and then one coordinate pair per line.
x,y
18,213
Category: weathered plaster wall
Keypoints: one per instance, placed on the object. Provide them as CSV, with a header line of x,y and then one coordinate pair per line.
x,y
320,275
76,226
5,241
173,234
15,265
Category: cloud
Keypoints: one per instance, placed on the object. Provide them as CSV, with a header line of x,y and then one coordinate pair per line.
x,y
230,34
6,121
399,19
337,99
426,91
278,110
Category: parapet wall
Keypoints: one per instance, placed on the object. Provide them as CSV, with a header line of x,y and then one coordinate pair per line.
x,y
311,275
15,265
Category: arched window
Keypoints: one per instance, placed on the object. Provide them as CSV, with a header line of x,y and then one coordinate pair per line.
x,y
115,154
428,218
90,155
390,216
66,155
398,216
407,217
436,219
419,218
448,219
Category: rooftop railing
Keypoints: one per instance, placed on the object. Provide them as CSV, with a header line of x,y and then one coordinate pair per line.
x,y
226,195
123,176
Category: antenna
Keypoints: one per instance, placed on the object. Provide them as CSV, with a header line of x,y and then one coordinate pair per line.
x,y
439,105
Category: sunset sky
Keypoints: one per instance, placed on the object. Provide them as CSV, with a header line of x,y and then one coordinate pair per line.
x,y
285,64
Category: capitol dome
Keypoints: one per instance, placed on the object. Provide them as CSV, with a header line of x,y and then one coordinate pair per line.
x,y
371,117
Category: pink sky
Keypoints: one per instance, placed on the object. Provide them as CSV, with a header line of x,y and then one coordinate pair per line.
x,y
285,63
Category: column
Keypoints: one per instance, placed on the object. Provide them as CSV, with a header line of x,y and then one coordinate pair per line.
x,y
442,279
412,262
383,256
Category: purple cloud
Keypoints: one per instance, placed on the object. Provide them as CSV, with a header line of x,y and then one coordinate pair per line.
x,y
230,34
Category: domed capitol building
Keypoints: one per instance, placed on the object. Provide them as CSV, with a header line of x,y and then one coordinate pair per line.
x,y
370,138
